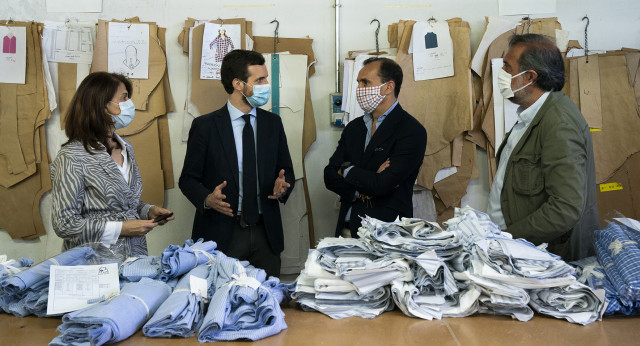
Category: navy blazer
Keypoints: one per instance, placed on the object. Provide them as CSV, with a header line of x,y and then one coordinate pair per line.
x,y
211,159
401,139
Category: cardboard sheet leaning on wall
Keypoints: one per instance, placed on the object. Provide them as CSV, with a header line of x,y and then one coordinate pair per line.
x,y
28,103
497,49
617,138
149,130
297,46
443,106
204,95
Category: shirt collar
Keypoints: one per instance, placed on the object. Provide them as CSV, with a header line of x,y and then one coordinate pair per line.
x,y
235,113
527,115
368,117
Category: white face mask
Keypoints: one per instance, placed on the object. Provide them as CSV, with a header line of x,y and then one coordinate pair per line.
x,y
504,83
127,112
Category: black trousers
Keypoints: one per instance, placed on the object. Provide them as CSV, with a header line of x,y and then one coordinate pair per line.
x,y
250,243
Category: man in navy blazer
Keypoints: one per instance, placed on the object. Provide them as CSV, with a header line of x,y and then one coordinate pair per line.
x,y
379,154
216,167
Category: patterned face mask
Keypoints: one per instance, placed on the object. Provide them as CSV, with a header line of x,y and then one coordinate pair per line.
x,y
369,98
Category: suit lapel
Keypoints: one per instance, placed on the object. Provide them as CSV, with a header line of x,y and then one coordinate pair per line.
x,y
225,134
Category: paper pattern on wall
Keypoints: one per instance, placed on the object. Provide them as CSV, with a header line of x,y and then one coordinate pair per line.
x,y
432,50
128,50
217,41
71,43
13,59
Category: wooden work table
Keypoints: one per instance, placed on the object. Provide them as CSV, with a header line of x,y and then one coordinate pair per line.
x,y
390,328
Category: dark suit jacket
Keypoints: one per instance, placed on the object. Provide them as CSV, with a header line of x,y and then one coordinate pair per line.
x,y
400,138
211,159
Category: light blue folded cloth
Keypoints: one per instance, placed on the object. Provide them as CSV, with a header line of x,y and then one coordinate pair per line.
x,y
183,312
116,319
178,260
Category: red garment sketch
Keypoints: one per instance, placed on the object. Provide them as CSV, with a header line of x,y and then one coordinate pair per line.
x,y
223,45
9,44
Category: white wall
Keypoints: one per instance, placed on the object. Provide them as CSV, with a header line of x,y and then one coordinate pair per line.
x,y
614,24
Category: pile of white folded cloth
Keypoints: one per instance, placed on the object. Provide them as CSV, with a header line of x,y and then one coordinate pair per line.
x,y
324,285
471,266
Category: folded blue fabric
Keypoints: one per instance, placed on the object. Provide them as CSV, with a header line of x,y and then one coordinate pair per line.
x,y
618,251
116,319
136,268
183,312
178,260
26,292
244,305
27,278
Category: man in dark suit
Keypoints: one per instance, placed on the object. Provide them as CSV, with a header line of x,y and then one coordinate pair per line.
x,y
379,155
237,168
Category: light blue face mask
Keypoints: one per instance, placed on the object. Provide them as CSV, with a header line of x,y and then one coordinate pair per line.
x,y
261,94
127,113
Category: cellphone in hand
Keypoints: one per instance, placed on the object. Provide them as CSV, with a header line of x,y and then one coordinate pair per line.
x,y
162,217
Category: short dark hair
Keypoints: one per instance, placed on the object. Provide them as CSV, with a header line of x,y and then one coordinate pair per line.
x,y
87,119
541,55
236,65
389,71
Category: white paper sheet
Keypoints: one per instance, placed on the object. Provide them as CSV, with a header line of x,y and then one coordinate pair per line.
x,y
293,78
445,173
75,287
511,7
128,50
13,57
498,103
495,27
74,6
72,43
346,81
562,39
432,50
217,41
631,223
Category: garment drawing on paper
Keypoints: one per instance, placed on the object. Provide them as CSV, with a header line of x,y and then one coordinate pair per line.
x,y
9,44
223,45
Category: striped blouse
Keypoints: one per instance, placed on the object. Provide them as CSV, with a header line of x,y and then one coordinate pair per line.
x,y
88,191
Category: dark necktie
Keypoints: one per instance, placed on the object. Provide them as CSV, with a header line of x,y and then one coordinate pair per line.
x,y
249,174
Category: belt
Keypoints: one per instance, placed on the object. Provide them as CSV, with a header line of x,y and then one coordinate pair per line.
x,y
243,224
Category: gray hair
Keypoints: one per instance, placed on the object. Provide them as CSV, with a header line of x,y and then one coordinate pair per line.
x,y
541,55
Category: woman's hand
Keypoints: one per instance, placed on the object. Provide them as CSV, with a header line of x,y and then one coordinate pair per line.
x,y
137,228
155,212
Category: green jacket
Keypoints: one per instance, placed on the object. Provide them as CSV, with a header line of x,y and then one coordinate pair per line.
x,y
549,187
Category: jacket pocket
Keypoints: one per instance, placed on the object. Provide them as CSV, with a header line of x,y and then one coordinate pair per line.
x,y
527,175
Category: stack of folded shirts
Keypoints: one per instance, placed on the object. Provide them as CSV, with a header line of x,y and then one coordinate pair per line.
x,y
472,225
519,263
244,305
408,238
178,260
26,292
321,290
182,313
116,319
577,303
433,292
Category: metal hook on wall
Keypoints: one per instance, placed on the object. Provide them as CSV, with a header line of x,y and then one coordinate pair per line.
x,y
586,42
276,40
221,22
377,32
431,20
